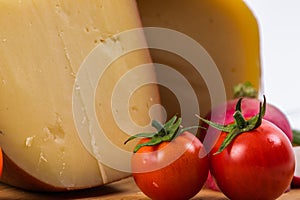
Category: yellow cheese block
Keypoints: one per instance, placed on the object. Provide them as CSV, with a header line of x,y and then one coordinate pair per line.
x,y
72,90
43,45
229,33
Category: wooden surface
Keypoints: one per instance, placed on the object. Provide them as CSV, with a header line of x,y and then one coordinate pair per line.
x,y
123,190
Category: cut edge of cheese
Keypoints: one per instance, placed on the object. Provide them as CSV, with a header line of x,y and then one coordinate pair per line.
x,y
50,40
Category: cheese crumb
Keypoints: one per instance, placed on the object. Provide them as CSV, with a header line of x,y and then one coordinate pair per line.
x,y
29,140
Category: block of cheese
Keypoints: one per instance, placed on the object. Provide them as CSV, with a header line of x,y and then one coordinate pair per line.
x,y
227,30
43,44
52,106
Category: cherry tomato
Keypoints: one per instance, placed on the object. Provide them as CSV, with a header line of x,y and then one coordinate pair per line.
x,y
258,164
252,159
175,176
175,169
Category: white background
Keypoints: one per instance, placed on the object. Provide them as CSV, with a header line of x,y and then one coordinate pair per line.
x,y
279,23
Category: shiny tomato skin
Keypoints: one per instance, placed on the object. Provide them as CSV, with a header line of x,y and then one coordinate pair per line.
x,y
171,170
258,164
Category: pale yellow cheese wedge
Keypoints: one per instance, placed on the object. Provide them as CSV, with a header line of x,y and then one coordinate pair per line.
x,y
43,44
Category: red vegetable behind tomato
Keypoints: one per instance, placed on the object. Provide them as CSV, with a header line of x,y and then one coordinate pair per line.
x,y
170,167
250,108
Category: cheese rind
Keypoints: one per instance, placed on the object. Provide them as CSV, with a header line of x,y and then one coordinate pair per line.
x,y
42,46
227,30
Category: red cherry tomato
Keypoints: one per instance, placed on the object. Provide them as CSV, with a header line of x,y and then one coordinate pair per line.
x,y
171,170
258,164
252,158
170,163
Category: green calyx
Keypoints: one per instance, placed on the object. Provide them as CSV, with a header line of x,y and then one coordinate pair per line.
x,y
240,124
244,90
165,133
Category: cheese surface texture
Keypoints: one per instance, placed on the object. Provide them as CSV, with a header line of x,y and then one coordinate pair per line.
x,y
227,30
42,46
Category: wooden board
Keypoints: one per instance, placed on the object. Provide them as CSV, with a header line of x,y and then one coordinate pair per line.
x,y
124,189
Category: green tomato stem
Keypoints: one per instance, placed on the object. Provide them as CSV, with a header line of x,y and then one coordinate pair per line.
x,y
240,125
239,120
165,133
